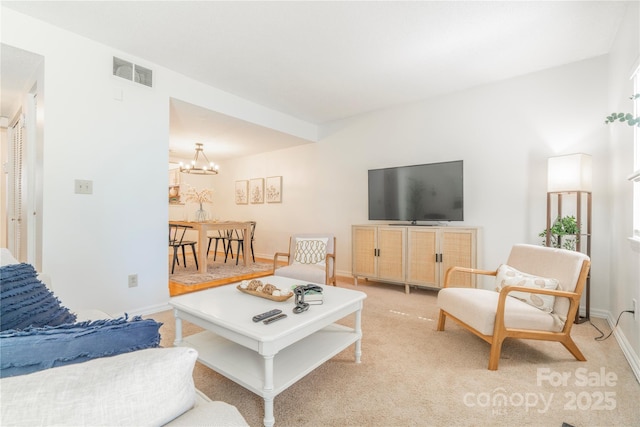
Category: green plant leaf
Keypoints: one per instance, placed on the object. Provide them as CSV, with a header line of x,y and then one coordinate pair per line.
x,y
563,233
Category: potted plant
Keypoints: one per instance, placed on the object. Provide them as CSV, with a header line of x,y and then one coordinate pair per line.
x,y
200,196
564,233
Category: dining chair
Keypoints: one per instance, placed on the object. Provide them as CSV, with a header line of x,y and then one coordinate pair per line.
x,y
176,241
223,235
238,237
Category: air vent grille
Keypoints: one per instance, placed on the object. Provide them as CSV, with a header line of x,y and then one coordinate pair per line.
x,y
132,72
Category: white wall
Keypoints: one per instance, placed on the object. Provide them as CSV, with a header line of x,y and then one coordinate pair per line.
x,y
115,133
504,133
624,273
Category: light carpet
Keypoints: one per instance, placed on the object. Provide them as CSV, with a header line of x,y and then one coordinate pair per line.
x,y
412,375
216,270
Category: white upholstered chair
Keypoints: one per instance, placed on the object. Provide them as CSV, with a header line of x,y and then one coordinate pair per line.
x,y
555,279
311,258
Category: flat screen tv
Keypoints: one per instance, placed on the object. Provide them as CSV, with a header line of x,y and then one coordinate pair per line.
x,y
429,192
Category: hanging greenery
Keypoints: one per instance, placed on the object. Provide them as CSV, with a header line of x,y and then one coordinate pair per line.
x,y
625,117
564,233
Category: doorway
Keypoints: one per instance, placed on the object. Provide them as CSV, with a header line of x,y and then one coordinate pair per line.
x,y
22,153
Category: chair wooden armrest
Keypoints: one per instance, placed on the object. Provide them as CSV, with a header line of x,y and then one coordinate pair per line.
x,y
330,269
451,270
554,292
278,255
574,299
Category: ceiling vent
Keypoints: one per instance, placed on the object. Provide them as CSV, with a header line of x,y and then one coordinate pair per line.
x,y
132,72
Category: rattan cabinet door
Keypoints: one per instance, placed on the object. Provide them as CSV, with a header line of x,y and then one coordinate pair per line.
x,y
458,248
391,248
422,247
364,251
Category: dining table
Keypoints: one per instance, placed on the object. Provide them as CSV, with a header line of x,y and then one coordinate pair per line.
x,y
205,226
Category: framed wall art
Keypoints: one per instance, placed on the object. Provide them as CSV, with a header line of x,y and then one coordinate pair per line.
x,y
242,192
256,190
273,190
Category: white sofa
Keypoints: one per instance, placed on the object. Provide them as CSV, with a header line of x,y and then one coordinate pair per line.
x,y
150,387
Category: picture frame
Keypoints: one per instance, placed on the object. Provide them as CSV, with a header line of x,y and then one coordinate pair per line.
x,y
256,190
242,192
273,189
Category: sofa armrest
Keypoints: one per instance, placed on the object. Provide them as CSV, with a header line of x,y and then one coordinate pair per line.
x,y
142,388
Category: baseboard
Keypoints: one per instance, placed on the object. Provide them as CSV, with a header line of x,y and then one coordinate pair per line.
x,y
145,311
627,349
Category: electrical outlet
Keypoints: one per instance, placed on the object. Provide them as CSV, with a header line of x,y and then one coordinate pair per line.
x,y
83,186
133,280
636,315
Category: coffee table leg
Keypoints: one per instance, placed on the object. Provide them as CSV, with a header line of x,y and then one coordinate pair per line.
x,y
359,332
178,338
269,420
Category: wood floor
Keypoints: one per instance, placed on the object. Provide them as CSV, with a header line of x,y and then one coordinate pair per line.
x,y
179,289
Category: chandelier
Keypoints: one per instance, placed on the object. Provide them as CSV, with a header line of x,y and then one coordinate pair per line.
x,y
200,166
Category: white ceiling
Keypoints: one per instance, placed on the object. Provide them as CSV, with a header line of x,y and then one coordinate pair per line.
x,y
323,61
223,137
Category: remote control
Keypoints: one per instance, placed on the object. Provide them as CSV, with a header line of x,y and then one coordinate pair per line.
x,y
273,319
266,315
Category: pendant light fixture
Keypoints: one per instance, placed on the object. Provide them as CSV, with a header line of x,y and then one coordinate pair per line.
x,y
200,166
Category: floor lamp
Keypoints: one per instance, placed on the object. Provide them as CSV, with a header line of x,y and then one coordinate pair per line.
x,y
569,177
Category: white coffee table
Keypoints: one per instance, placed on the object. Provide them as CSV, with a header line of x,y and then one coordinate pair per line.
x,y
266,359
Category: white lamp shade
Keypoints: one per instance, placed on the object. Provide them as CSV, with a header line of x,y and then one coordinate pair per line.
x,y
569,173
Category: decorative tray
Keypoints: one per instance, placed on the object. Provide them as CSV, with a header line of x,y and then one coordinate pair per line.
x,y
263,295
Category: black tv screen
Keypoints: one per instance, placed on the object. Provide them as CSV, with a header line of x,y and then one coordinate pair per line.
x,y
429,192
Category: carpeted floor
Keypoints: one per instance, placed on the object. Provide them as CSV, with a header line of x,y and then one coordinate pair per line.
x,y
412,375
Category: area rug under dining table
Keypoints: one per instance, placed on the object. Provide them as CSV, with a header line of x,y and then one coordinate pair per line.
x,y
216,270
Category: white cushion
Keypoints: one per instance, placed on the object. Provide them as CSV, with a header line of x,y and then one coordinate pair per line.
x,y
312,250
561,264
207,412
308,273
509,276
142,388
477,308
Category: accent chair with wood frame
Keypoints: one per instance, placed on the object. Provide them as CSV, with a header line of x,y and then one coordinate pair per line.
x,y
311,258
537,297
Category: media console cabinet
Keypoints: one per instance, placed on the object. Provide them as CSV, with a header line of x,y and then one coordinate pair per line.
x,y
413,255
